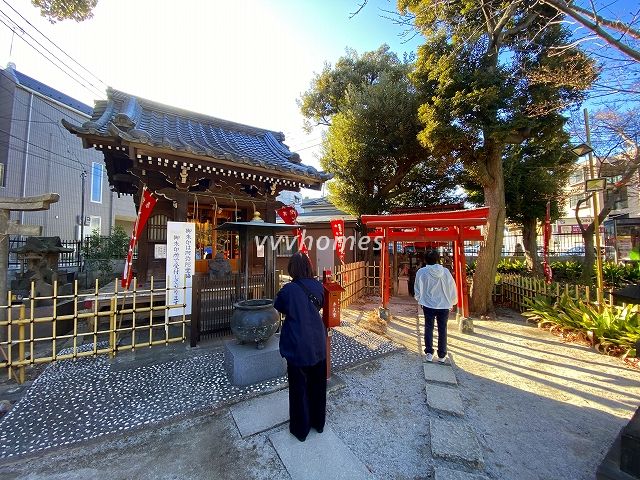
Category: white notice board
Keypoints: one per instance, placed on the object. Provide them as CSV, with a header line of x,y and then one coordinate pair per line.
x,y
181,263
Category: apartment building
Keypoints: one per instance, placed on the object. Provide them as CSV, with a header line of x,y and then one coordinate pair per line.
x,y
38,155
621,228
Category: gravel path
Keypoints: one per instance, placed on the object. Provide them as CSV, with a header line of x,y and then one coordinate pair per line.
x,y
541,409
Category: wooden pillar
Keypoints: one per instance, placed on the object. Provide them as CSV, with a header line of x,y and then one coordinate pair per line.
x,y
270,258
394,269
182,207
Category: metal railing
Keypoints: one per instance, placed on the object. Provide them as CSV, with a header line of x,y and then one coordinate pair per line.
x,y
75,324
213,300
66,259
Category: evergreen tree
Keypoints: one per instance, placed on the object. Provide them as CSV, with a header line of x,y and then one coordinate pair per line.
x,y
479,72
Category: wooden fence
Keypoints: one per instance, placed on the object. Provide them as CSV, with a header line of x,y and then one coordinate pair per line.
x,y
514,289
353,278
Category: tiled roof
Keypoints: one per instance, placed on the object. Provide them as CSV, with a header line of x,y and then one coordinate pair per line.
x,y
137,120
320,206
47,91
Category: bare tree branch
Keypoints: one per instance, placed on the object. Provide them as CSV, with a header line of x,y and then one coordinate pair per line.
x,y
360,7
585,18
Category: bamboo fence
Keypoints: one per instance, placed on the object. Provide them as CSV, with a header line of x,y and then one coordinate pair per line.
x,y
514,289
81,324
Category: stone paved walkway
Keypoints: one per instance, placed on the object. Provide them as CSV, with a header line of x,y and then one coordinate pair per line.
x,y
76,401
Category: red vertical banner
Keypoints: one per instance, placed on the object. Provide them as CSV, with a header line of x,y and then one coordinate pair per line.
x,y
147,202
548,274
289,216
337,228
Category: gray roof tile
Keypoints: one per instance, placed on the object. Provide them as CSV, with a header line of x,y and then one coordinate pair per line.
x,y
143,121
47,91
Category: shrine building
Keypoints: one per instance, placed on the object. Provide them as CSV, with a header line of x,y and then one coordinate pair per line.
x,y
201,169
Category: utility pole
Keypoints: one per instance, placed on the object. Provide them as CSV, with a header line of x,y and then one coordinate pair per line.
x,y
596,221
83,175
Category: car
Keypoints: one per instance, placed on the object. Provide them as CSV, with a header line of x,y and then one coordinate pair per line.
x,y
607,252
471,249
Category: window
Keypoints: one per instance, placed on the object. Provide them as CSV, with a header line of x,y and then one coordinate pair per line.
x,y
574,199
621,200
157,228
576,177
94,224
283,249
96,182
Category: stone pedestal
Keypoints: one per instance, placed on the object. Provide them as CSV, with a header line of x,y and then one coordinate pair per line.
x,y
465,324
246,365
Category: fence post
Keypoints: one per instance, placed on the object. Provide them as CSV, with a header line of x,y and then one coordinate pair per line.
x,y
21,376
112,326
194,328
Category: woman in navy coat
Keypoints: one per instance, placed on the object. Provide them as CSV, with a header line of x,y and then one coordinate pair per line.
x,y
303,345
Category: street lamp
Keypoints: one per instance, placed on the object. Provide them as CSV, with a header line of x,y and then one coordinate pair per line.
x,y
581,150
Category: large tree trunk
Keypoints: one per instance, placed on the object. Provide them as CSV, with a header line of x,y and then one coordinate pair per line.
x,y
529,238
589,256
489,256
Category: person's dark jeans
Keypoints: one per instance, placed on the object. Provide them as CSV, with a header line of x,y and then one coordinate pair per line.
x,y
442,316
307,398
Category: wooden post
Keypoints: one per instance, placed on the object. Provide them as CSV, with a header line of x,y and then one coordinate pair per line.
x,y
21,369
194,330
112,326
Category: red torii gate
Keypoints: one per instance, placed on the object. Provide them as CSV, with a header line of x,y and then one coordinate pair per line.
x,y
453,226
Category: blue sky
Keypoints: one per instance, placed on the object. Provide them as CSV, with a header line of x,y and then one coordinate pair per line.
x,y
245,61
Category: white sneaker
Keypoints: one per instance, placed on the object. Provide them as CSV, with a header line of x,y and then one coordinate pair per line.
x,y
429,357
442,360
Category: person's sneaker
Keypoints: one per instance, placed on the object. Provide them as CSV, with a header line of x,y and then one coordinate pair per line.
x,y
429,357
443,359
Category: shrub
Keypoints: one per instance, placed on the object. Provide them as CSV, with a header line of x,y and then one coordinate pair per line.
x,y
99,251
615,329
511,267
566,271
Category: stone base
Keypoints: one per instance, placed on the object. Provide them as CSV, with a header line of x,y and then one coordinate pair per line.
x,y
246,365
465,324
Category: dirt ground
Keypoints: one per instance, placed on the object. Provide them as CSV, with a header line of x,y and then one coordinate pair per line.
x,y
542,410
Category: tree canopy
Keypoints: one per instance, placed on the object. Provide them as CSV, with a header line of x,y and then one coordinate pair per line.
x,y
56,10
492,74
370,107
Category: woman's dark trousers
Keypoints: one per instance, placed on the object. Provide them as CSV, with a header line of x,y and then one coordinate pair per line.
x,y
307,398
442,316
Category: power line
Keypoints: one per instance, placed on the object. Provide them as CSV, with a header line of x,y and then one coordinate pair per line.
x,y
48,159
51,61
56,123
55,45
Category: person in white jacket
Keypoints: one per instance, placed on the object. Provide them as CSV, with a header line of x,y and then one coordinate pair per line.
x,y
435,290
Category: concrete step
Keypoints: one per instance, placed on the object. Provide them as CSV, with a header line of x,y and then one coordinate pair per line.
x,y
321,456
444,399
434,372
261,413
455,441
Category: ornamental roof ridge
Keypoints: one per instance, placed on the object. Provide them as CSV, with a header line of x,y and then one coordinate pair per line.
x,y
114,94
